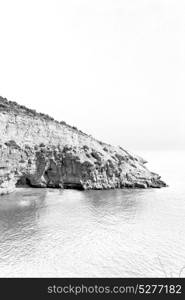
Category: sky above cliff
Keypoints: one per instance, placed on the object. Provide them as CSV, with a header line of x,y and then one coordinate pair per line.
x,y
115,69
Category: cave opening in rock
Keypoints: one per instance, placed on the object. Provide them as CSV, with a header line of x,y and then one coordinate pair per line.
x,y
73,185
23,181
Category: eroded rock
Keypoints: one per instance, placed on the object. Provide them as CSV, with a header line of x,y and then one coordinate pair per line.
x,y
41,152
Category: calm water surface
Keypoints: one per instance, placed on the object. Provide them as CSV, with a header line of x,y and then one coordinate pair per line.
x,y
117,233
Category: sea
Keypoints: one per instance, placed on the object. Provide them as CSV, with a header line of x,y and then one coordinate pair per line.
x,y
110,233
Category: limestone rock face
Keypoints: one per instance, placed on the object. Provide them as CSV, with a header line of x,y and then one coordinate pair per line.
x,y
41,152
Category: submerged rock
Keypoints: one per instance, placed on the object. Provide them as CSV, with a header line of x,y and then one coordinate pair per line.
x,y
41,152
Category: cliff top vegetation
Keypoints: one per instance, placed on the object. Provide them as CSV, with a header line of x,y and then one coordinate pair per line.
x,y
12,106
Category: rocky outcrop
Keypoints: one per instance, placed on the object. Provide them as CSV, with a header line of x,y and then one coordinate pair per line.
x,y
41,152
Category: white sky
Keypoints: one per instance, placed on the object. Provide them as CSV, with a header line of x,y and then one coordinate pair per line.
x,y
115,69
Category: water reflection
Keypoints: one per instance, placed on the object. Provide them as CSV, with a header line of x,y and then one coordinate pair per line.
x,y
19,213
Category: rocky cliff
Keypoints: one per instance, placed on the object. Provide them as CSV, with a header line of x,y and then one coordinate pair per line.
x,y
38,151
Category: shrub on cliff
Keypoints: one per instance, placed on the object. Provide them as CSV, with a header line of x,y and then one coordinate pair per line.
x,y
12,144
42,145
